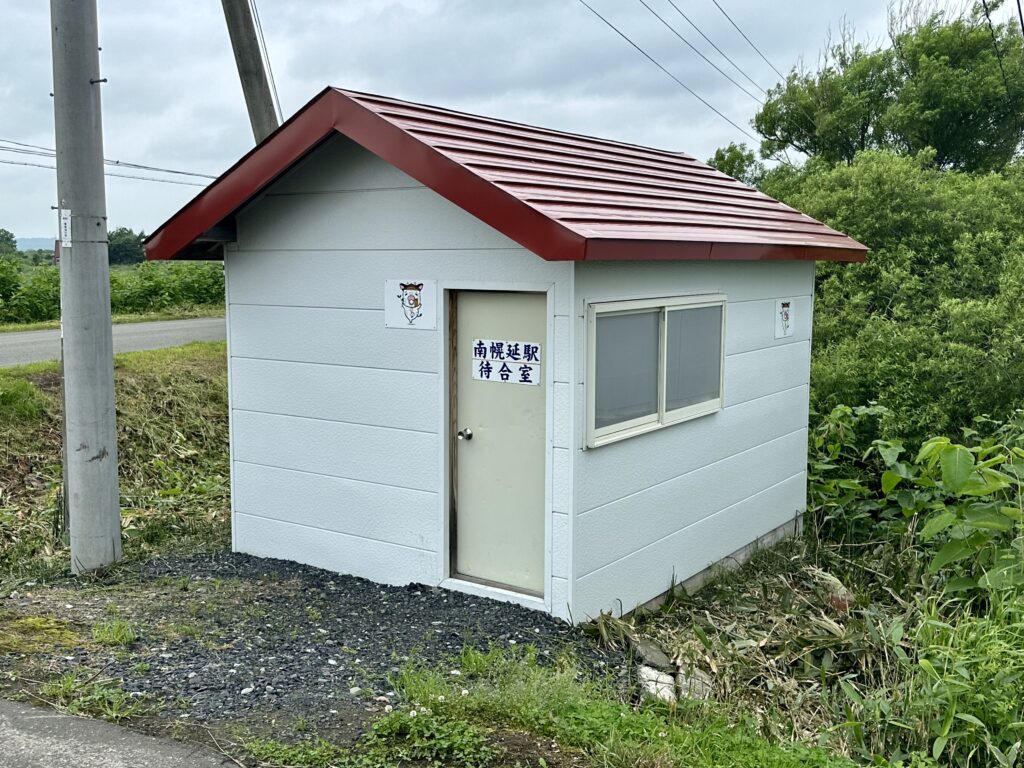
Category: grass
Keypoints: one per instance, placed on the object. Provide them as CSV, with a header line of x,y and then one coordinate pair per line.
x,y
449,720
144,317
172,443
504,708
115,632
511,689
77,694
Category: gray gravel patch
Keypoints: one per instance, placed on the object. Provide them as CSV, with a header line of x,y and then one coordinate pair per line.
x,y
315,642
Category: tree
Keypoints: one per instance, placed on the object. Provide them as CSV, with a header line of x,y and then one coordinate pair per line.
x,y
8,242
738,161
949,84
125,246
930,326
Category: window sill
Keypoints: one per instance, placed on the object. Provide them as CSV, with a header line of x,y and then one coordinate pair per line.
x,y
670,420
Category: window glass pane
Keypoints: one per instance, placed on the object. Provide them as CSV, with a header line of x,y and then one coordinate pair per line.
x,y
626,384
694,357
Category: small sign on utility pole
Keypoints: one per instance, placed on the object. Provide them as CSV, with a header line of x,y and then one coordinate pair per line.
x,y
65,227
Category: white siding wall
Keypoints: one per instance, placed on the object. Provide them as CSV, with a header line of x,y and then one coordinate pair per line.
x,y
669,503
338,423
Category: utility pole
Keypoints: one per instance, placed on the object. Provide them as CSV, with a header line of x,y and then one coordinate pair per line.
x,y
255,87
91,490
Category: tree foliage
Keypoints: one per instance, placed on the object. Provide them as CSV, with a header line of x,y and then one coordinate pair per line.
x,y
738,161
124,246
952,84
932,325
8,242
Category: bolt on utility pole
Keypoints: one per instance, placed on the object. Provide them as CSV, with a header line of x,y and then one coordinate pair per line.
x,y
255,87
90,429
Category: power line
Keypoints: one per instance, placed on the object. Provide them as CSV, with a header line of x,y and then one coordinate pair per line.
x,y
709,61
751,42
121,163
655,62
108,173
995,48
265,55
712,44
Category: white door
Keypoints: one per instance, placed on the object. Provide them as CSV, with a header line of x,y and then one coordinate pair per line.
x,y
498,456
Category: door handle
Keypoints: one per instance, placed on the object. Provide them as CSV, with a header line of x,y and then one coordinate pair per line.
x,y
465,434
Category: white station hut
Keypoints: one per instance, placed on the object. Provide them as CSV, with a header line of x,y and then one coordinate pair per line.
x,y
529,365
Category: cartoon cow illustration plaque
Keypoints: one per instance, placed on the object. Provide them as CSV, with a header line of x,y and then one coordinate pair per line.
x,y
410,304
784,318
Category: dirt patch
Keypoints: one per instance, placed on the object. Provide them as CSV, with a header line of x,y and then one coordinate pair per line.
x,y
527,750
47,381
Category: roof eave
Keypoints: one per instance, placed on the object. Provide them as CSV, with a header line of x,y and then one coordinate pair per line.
x,y
625,249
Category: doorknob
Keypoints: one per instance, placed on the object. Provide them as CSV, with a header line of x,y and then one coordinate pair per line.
x,y
465,434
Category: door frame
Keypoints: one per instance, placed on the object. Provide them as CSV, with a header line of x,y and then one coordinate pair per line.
x,y
446,435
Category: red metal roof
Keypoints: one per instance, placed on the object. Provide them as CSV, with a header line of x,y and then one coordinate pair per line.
x,y
561,195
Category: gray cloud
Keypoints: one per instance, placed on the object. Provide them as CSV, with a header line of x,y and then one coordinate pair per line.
x,y
173,99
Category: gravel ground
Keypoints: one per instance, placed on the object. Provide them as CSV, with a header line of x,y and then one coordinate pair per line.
x,y
229,636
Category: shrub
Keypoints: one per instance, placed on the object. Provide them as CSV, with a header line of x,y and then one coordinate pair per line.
x,y
37,298
930,325
148,287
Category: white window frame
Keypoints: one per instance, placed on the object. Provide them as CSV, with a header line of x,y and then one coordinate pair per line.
x,y
662,418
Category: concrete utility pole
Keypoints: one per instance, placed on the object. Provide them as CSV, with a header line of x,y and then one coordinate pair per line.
x,y
251,72
91,491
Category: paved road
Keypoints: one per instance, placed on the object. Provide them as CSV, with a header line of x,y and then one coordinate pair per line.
x,y
31,737
34,346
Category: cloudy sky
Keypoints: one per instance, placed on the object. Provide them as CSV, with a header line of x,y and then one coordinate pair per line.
x,y
173,98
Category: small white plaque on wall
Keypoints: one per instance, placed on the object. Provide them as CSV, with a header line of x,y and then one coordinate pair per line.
x,y
784,318
410,304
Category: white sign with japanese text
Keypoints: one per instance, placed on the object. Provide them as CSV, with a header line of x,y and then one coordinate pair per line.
x,y
506,362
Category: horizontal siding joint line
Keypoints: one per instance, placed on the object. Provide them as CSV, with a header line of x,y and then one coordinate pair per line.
x,y
339,533
762,397
335,477
695,469
335,421
379,310
794,343
350,190
687,527
772,298
334,365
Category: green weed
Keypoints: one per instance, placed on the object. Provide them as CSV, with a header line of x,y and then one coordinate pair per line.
x,y
510,689
114,632
93,697
311,753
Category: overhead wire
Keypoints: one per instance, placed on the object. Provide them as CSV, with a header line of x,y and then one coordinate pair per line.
x,y
265,55
658,64
718,69
711,42
749,41
109,173
119,163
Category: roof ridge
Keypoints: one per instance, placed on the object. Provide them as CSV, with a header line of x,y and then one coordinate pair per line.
x,y
514,123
